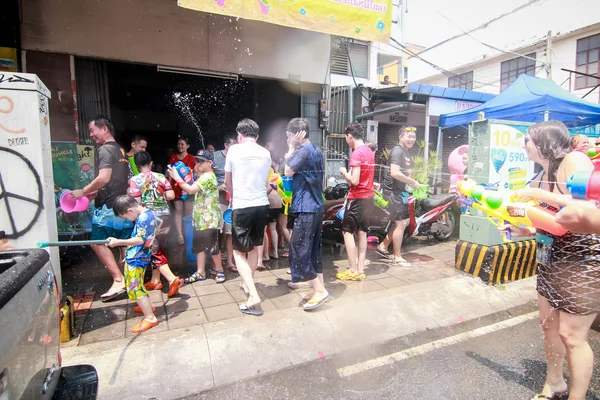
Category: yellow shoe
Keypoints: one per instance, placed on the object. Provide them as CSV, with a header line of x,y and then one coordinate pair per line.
x,y
360,277
346,276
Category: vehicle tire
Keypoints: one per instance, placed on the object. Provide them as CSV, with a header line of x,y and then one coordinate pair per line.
x,y
450,219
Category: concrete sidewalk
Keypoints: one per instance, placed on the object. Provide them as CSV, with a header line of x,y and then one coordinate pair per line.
x,y
181,358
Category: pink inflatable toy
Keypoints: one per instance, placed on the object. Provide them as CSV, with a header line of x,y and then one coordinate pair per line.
x,y
456,165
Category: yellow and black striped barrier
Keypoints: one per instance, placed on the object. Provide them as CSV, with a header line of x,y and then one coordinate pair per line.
x,y
497,264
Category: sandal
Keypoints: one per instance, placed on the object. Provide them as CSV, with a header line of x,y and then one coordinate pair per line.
x,y
384,254
346,276
112,293
195,277
232,268
285,254
220,277
313,304
138,309
360,277
255,310
401,263
154,286
174,286
144,326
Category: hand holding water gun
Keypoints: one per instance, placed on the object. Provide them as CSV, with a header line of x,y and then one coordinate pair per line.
x,y
276,183
503,207
585,185
184,173
379,201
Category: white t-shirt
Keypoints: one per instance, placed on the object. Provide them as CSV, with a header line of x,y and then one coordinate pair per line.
x,y
249,165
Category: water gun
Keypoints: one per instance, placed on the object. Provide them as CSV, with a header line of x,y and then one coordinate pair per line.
x,y
501,207
186,174
286,196
585,185
379,201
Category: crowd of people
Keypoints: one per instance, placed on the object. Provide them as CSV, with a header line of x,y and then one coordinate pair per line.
x,y
132,211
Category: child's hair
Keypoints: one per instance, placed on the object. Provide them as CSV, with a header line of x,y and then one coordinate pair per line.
x,y
122,204
142,159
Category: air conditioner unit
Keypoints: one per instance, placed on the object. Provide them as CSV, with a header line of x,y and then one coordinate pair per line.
x,y
372,129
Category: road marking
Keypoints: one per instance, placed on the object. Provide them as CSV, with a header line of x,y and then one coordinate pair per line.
x,y
438,344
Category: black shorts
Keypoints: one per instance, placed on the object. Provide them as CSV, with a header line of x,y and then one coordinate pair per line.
x,y
274,214
290,221
206,241
248,227
356,215
397,208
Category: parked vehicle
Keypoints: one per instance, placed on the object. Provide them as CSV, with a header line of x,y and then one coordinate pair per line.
x,y
435,216
30,316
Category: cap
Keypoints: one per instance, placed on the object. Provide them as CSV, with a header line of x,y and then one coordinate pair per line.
x,y
205,154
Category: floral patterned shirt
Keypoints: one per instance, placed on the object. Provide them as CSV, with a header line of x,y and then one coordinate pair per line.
x,y
207,214
145,229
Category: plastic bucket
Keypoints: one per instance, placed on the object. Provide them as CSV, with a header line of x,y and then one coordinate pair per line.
x,y
188,230
69,205
340,213
227,216
287,183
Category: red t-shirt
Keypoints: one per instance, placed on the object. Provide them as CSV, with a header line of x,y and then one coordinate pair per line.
x,y
364,158
188,160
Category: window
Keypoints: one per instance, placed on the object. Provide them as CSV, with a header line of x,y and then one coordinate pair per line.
x,y
587,61
462,81
511,69
349,57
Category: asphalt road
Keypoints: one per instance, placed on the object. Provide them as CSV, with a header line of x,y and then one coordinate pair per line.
x,y
506,364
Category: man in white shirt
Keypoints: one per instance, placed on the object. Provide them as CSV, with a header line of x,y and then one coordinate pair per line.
x,y
246,176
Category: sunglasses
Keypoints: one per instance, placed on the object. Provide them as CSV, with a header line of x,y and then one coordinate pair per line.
x,y
410,129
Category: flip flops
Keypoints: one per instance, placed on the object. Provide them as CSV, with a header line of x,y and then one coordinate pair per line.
x,y
313,304
144,325
153,286
255,310
401,263
384,254
112,293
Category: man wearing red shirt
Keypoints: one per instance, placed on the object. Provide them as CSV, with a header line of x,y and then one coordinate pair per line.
x,y
359,203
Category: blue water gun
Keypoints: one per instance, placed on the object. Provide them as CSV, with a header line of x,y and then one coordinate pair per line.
x,y
186,174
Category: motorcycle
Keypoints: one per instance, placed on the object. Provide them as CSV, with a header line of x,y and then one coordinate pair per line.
x,y
436,216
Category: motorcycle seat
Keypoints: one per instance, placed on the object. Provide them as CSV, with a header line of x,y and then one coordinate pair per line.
x,y
437,200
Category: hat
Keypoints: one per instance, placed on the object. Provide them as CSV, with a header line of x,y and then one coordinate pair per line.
x,y
204,154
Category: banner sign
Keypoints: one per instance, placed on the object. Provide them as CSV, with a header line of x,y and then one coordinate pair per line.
x,y
368,20
511,167
73,168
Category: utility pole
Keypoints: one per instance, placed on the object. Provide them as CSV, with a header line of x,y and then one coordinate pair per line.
x,y
549,55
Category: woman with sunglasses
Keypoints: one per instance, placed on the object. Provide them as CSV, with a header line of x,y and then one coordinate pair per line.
x,y
568,280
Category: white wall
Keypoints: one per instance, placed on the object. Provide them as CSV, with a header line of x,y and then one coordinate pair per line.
x,y
486,73
516,30
159,32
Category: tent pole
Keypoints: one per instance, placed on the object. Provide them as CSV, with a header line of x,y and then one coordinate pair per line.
x,y
546,115
438,150
426,152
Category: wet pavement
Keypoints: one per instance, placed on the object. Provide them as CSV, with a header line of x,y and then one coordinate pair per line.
x,y
505,364
208,302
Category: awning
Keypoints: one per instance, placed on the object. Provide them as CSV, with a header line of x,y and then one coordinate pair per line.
x,y
368,20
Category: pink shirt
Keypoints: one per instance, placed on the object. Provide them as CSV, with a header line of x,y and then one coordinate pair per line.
x,y
364,158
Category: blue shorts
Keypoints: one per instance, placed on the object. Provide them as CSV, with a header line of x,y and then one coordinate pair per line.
x,y
106,224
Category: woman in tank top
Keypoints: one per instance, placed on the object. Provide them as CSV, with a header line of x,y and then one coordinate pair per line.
x,y
568,279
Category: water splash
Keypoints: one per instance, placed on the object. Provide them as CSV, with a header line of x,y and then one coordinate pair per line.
x,y
182,102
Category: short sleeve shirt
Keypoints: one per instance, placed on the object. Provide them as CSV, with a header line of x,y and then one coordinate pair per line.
x,y
219,168
364,158
206,213
402,158
307,186
112,156
188,160
151,188
249,164
145,229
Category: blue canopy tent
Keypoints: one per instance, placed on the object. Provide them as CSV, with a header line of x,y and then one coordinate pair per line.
x,y
531,99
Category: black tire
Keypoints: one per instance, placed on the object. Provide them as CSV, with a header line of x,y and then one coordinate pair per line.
x,y
451,220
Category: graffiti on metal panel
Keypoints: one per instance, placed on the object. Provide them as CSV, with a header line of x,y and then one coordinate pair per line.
x,y
13,78
11,202
7,106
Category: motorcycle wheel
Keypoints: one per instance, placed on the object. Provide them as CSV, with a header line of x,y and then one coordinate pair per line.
x,y
447,218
